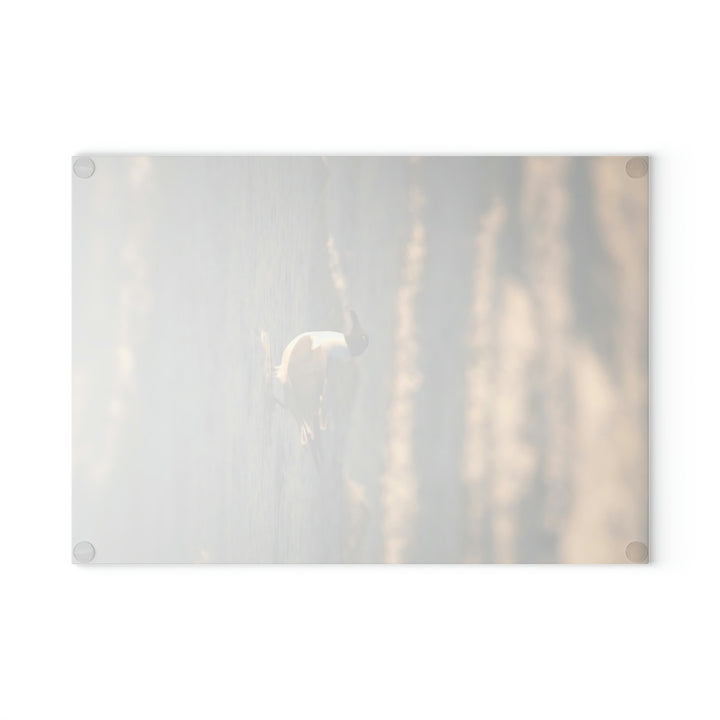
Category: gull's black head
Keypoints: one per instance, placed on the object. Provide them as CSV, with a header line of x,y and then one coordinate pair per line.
x,y
356,339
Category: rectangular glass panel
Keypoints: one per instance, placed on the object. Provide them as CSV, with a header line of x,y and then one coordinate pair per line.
x,y
360,359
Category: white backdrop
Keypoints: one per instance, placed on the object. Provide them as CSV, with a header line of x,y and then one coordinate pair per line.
x,y
498,642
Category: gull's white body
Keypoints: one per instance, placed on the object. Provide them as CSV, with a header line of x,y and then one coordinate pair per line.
x,y
302,375
332,346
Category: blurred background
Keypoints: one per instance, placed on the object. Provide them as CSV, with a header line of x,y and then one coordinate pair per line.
x,y
498,415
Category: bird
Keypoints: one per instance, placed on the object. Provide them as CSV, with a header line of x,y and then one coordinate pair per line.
x,y
302,375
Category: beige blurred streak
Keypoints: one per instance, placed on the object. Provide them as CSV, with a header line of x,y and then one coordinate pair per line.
x,y
610,507
544,215
478,380
399,481
514,458
336,272
139,172
135,301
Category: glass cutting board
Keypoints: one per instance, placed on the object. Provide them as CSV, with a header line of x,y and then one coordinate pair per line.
x,y
360,359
